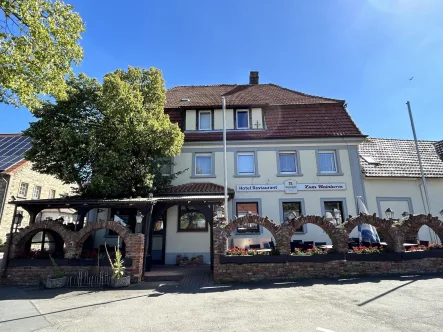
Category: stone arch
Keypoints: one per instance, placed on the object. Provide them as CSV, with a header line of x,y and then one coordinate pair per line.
x,y
385,228
20,239
81,236
265,222
412,224
336,234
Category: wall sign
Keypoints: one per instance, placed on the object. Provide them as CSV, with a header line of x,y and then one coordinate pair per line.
x,y
291,187
260,187
321,186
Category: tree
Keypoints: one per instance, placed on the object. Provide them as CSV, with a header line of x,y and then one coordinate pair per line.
x,y
112,140
38,46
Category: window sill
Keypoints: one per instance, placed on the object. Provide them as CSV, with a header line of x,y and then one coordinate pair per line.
x,y
288,174
24,197
246,233
110,236
192,231
247,176
330,174
202,176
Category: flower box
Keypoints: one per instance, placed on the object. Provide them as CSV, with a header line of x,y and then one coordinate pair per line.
x,y
409,255
316,258
390,256
252,259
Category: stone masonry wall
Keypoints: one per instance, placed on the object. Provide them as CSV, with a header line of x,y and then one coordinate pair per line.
x,y
334,269
24,173
73,248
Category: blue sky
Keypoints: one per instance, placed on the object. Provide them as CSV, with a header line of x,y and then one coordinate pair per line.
x,y
362,51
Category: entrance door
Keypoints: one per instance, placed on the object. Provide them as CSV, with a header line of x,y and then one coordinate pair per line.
x,y
158,242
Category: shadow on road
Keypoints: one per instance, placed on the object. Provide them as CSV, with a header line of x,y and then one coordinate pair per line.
x,y
157,289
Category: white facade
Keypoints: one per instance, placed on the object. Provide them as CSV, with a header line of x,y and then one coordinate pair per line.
x,y
405,195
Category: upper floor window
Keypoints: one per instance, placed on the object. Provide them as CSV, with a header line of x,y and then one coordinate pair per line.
x,y
204,120
23,189
327,162
52,193
37,192
242,119
246,163
203,164
287,162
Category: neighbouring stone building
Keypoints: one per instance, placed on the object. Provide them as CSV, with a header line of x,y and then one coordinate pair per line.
x,y
18,180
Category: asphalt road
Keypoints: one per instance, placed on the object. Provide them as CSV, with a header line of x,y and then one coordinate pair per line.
x,y
400,304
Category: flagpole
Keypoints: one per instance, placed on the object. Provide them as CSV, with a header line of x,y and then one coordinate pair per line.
x,y
225,164
423,177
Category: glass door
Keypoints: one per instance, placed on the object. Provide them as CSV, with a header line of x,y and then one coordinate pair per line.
x,y
158,241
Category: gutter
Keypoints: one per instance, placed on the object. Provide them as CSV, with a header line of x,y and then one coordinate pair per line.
x,y
2,206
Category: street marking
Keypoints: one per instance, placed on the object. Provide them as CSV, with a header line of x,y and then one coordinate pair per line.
x,y
323,330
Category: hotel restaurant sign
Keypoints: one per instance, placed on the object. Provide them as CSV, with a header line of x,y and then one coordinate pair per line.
x,y
291,187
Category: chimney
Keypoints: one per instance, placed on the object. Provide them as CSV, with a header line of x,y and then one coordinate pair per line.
x,y
253,77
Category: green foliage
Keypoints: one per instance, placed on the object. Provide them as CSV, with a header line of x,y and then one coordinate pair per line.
x,y
112,140
118,268
38,45
56,272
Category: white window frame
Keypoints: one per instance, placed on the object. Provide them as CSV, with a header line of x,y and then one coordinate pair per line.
x,y
210,119
253,163
236,118
20,194
39,189
205,154
51,193
334,152
295,162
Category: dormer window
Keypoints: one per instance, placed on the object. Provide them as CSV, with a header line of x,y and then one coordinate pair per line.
x,y
242,119
204,120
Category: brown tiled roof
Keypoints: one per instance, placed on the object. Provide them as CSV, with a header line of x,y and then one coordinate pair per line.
x,y
236,95
398,158
297,121
196,188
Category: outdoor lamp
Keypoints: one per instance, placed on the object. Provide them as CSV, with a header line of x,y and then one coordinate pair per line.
x,y
18,218
219,211
139,217
389,213
441,212
405,214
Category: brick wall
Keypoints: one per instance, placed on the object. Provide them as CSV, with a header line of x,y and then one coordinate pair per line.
x,y
34,275
333,269
73,248
24,173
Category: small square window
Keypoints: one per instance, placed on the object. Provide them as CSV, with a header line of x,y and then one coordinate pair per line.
x,y
245,163
288,162
327,162
37,192
242,119
244,208
191,220
203,164
52,193
23,189
334,211
204,120
292,210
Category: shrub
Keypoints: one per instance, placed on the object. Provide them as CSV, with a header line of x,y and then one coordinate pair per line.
x,y
309,252
367,250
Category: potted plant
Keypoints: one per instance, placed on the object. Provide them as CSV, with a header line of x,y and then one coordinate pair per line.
x,y
313,255
118,278
362,253
57,278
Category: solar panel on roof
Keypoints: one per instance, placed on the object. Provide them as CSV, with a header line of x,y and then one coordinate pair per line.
x,y
12,150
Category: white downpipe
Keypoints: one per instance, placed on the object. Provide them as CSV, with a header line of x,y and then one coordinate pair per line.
x,y
225,164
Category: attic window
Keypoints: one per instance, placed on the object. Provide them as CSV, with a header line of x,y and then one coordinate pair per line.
x,y
185,100
370,160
